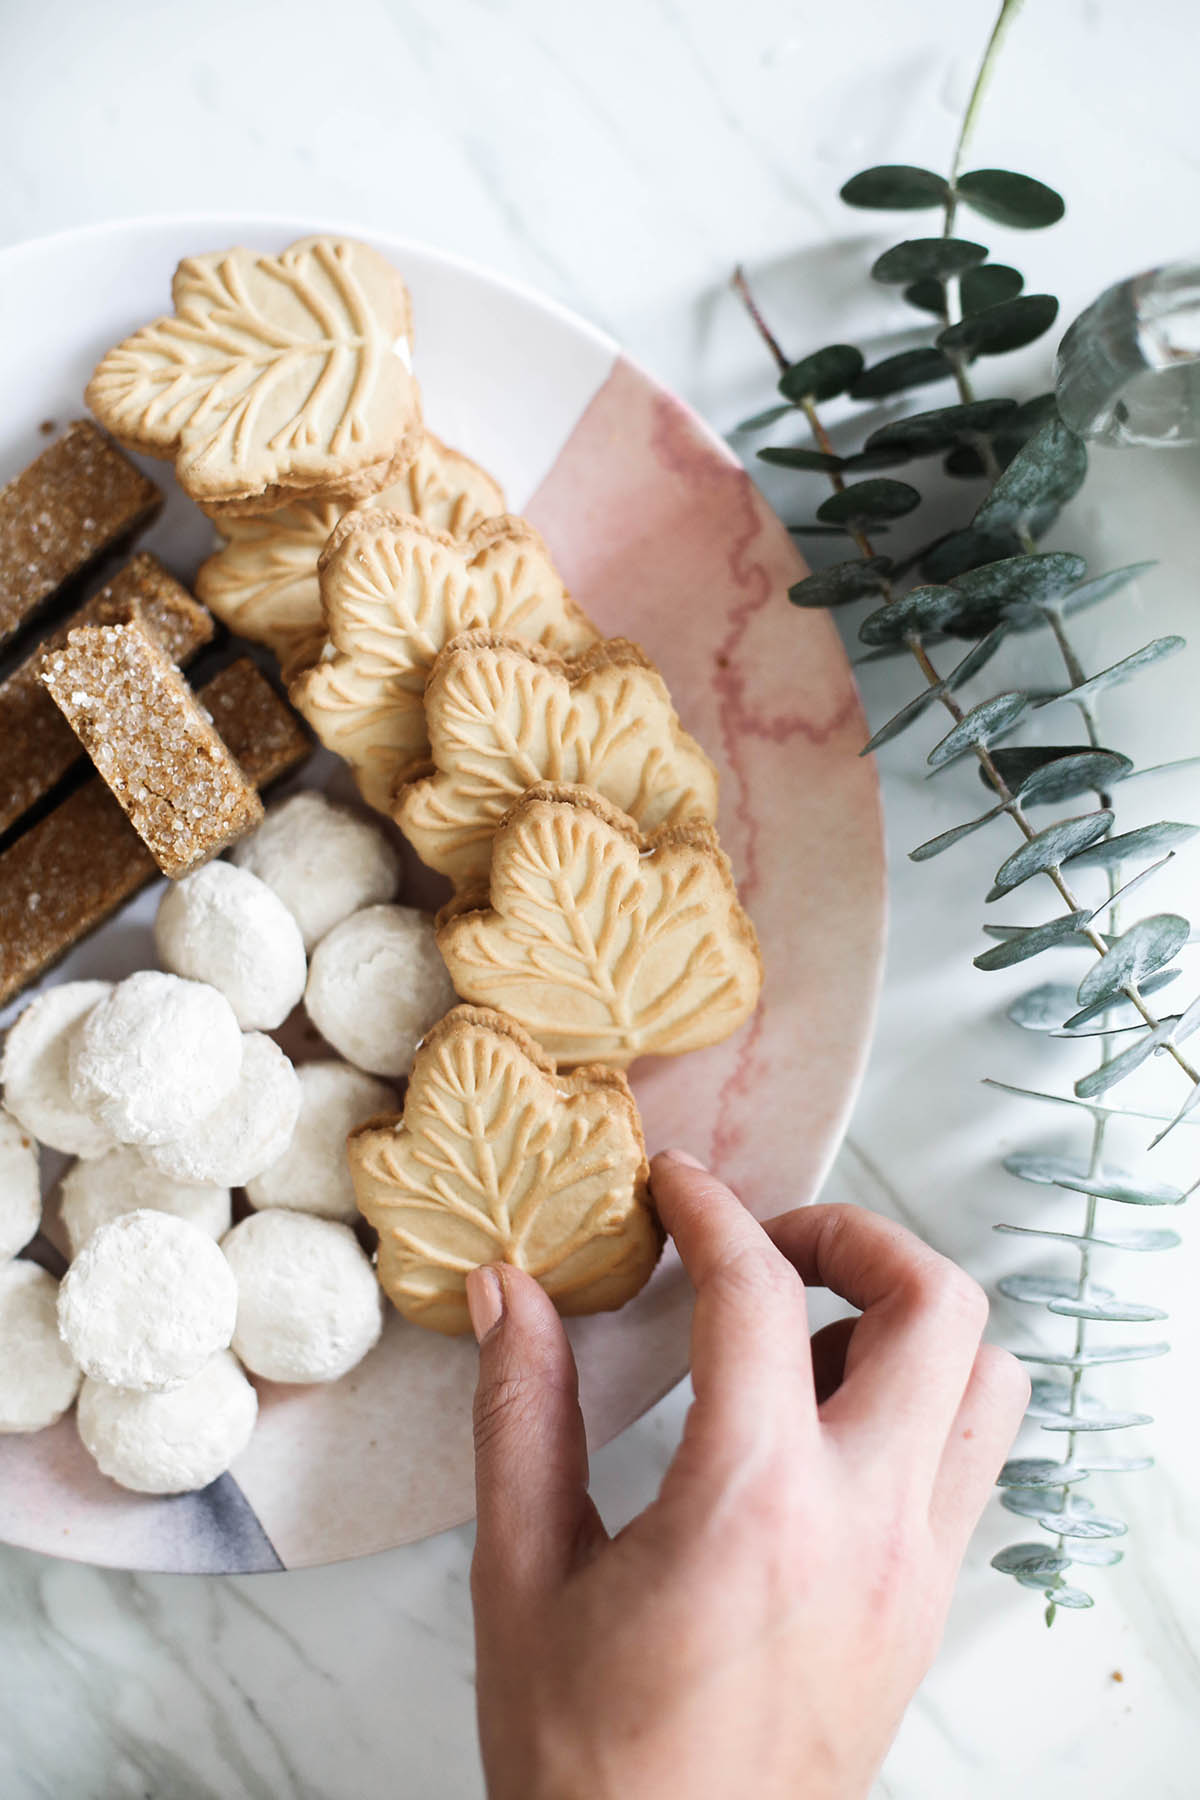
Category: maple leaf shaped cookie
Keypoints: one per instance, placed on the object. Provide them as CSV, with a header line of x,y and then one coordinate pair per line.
x,y
604,944
275,375
394,594
263,581
497,1158
503,716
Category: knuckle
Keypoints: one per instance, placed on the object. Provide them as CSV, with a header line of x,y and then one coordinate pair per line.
x,y
754,1273
1003,1378
501,1405
942,1284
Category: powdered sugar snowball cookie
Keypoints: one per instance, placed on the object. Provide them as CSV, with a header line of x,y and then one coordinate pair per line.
x,y
39,1377
36,1069
225,926
309,1306
156,1056
376,983
21,1191
94,1193
170,1443
248,1132
312,1175
146,1302
324,862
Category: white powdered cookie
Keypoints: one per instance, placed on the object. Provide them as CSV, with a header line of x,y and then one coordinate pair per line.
x,y
35,1069
38,1375
170,1443
156,1056
394,594
277,375
502,716
263,581
20,1189
224,926
146,1302
309,1307
248,1132
376,983
94,1193
324,861
312,1175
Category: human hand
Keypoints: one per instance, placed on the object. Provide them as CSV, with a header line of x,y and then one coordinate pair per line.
x,y
761,1626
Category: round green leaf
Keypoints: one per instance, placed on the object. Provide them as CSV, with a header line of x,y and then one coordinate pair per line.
x,y
1072,1173
798,456
1075,1599
1093,1355
961,550
965,462
1112,1237
1048,849
1031,942
1030,1559
1099,1554
1081,1524
1040,1472
1036,1290
1045,473
911,368
989,719
1010,199
1131,846
927,296
822,375
760,420
1041,1009
1146,946
1108,1074
868,500
924,433
842,582
1120,672
989,285
921,610
997,329
896,187
946,840
1101,586
1065,777
922,257
1100,1308
1117,1007
1029,580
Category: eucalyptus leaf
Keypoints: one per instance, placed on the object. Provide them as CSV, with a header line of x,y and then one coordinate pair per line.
x,y
921,610
1118,1005
1048,849
1030,1559
822,375
1147,840
1075,1599
947,839
1109,1310
1096,1418
1041,1008
1072,940
924,433
1077,1524
797,456
991,718
1096,1108
1036,1503
1189,1106
907,369
996,329
1093,1355
869,500
1032,941
842,582
918,258
1039,1472
1123,671
1010,199
1111,1237
1100,1554
927,296
1028,580
965,461
1121,895
1116,1465
1069,1172
896,187
1145,947
961,550
759,421
1036,1290
1045,774
1047,472
901,720
1117,1068
1101,586
988,285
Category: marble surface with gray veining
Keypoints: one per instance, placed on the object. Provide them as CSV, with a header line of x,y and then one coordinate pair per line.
x,y
622,158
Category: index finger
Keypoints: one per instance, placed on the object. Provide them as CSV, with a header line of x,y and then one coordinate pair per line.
x,y
750,1322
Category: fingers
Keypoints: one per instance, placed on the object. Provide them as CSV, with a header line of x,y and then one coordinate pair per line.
x,y
531,1467
911,1353
749,1328
829,1347
980,1439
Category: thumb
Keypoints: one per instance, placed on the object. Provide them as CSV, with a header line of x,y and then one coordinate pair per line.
x,y
535,1519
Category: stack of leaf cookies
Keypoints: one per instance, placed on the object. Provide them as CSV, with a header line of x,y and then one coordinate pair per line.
x,y
429,640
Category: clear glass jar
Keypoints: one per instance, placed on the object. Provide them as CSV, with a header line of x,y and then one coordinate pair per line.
x,y
1128,370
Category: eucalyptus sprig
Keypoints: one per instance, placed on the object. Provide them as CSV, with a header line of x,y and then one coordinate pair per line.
x,y
978,586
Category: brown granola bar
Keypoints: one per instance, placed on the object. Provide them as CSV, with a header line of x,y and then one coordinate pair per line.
x,y
138,720
37,746
76,867
77,500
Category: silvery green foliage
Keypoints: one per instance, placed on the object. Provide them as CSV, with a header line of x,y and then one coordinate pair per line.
x,y
951,604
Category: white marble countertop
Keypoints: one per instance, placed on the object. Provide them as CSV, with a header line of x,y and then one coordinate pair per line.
x,y
622,158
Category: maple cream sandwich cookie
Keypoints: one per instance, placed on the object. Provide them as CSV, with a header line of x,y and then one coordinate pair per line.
x,y
275,376
499,1158
503,716
604,943
262,581
394,594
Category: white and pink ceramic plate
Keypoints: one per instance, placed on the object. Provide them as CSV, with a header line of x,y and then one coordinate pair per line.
x,y
663,538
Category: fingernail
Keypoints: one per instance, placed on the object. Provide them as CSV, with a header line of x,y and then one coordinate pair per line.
x,y
682,1156
485,1302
